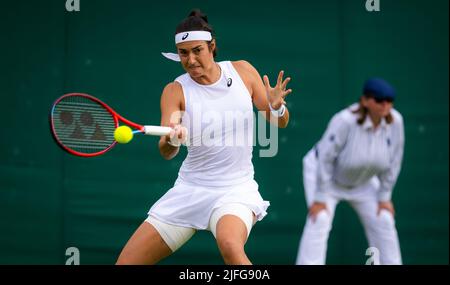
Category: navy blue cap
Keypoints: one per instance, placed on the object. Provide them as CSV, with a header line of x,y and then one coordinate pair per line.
x,y
379,89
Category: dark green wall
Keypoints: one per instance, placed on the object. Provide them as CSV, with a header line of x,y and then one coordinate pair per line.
x,y
50,200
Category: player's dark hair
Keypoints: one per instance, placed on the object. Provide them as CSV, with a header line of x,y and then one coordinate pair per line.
x,y
363,111
197,21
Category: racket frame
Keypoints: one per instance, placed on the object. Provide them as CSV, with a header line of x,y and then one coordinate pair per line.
x,y
116,118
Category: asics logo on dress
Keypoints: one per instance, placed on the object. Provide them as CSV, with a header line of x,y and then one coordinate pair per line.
x,y
229,82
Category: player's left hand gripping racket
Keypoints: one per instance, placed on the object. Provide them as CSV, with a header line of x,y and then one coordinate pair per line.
x,y
84,126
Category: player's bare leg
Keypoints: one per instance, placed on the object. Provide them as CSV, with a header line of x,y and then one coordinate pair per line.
x,y
231,236
145,247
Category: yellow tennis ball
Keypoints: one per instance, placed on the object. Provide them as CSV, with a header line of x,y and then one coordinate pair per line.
x,y
123,134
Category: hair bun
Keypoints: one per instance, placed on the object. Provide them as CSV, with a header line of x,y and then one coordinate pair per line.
x,y
197,13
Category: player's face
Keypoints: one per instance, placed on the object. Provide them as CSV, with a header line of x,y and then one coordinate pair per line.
x,y
377,108
196,57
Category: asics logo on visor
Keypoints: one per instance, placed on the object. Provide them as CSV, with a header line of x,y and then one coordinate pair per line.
x,y
185,36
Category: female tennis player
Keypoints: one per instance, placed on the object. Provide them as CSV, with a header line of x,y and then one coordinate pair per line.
x,y
215,189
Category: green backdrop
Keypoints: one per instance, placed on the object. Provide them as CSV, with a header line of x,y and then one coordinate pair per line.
x,y
50,200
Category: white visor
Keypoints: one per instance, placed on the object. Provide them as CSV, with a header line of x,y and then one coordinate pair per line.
x,y
171,56
186,37
192,36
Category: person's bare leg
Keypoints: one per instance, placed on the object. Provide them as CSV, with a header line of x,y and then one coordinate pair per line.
x,y
145,247
231,236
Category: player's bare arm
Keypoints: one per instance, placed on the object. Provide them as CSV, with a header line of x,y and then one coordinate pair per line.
x,y
171,108
262,93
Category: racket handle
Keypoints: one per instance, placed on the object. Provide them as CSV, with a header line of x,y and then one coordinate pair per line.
x,y
157,130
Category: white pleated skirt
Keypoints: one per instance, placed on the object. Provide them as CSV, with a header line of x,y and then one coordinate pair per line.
x,y
189,205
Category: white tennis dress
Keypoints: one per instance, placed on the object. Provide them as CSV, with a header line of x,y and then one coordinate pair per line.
x,y
218,168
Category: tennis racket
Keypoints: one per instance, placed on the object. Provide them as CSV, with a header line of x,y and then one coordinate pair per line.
x,y
84,126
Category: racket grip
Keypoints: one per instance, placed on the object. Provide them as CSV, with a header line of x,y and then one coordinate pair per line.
x,y
157,130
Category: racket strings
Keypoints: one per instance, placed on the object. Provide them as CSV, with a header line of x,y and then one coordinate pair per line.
x,y
83,125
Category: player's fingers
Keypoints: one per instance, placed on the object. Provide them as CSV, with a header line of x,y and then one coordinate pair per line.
x,y
285,83
176,130
266,82
280,78
172,134
180,133
184,134
287,92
